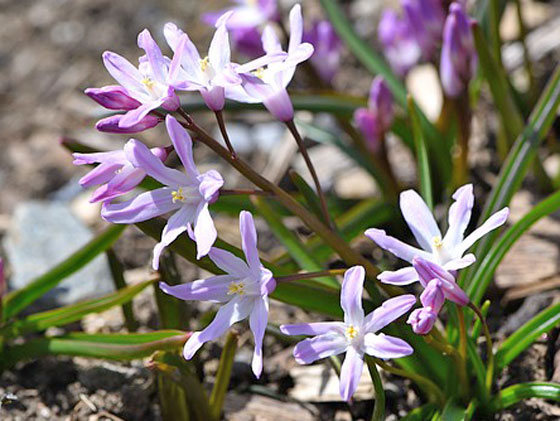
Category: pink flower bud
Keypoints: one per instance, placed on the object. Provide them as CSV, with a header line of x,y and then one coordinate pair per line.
x,y
111,124
113,98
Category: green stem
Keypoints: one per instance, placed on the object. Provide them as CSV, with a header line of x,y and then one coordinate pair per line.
x,y
526,57
116,268
223,376
463,350
489,347
243,192
223,130
460,158
379,407
309,275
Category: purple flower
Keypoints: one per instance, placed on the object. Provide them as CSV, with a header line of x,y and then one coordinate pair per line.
x,y
268,85
375,120
458,54
116,174
150,84
248,14
186,194
447,252
327,45
112,124
355,336
425,18
247,41
243,291
398,41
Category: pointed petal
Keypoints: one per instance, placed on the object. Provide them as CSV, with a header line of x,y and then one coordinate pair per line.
x,y
270,41
433,295
172,35
214,289
142,157
112,157
296,28
460,263
257,323
350,373
123,71
389,311
133,117
204,231
385,346
176,225
219,52
210,184
183,145
230,313
319,347
404,276
229,262
145,206
397,247
313,329
419,219
249,240
100,174
495,221
123,182
428,270
155,57
459,216
351,295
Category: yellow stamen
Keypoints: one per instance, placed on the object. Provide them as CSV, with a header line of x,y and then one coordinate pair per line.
x,y
259,72
148,83
178,195
437,242
351,332
236,288
204,63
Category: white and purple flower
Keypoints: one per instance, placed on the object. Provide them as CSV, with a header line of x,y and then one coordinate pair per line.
x,y
243,291
187,194
356,335
328,49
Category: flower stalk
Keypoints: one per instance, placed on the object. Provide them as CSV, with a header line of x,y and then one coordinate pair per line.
x,y
223,130
379,407
309,275
489,347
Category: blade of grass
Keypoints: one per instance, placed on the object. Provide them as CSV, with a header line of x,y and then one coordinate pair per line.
x,y
513,394
117,273
223,376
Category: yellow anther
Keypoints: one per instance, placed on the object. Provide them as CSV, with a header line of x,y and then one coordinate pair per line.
x,y
236,288
437,242
178,195
259,72
204,63
351,332
148,83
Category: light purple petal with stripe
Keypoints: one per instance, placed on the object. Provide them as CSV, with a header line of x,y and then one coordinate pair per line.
x,y
228,262
428,270
123,72
296,28
459,216
385,346
270,41
219,52
214,289
112,157
389,311
397,247
140,156
257,323
433,295
404,276
350,373
155,57
460,263
351,295
249,240
100,174
183,145
133,117
210,184
204,231
313,329
322,346
495,221
419,218
145,206
123,182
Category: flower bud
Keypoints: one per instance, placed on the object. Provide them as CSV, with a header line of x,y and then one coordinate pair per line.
x,y
425,18
458,54
381,103
422,320
111,124
326,58
113,98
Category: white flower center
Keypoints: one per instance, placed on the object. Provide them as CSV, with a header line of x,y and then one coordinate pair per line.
x,y
236,288
351,332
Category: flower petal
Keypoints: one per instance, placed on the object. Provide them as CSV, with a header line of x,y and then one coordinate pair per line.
x,y
313,329
133,117
230,313
350,373
389,311
495,221
404,276
123,71
123,182
397,247
183,145
142,157
385,346
428,270
459,216
351,295
296,28
213,289
249,240
112,157
270,41
460,263
228,262
257,323
419,218
145,206
321,346
219,52
204,231
155,57
210,184
100,174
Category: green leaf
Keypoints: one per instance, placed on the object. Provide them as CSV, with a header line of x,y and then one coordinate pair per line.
x,y
223,376
481,279
307,193
16,301
453,412
422,162
524,337
513,394
68,314
117,273
425,412
121,347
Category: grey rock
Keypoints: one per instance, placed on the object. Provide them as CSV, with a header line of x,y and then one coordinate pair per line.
x,y
43,234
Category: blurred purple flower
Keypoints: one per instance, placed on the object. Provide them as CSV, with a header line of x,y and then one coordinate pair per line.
x,y
112,124
425,18
115,173
458,54
327,45
400,46
243,290
247,41
447,252
375,120
355,336
268,85
247,14
143,89
187,194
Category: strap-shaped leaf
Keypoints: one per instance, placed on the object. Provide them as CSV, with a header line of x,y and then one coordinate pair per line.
x,y
223,376
16,301
422,163
524,337
513,394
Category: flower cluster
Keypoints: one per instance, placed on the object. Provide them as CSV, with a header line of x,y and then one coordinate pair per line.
x,y
425,28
